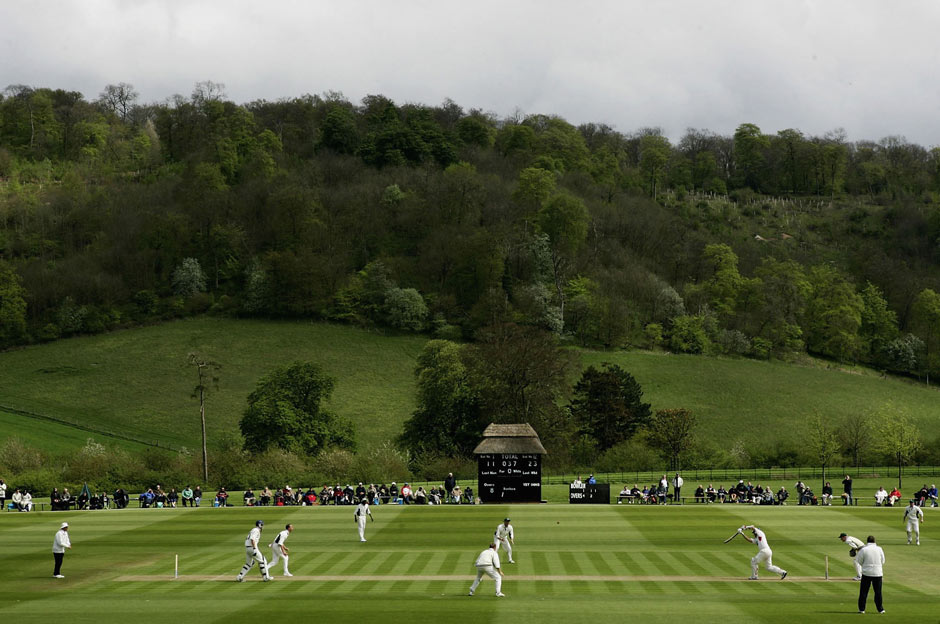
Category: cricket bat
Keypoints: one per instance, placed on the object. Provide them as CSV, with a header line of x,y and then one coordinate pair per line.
x,y
736,533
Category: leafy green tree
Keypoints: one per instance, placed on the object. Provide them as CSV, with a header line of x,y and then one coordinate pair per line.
x,y
833,314
784,291
607,405
879,323
12,306
448,420
823,443
724,286
926,323
749,146
672,431
534,188
688,335
897,435
405,309
285,410
654,156
339,132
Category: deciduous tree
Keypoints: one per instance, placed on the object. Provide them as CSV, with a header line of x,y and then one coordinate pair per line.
x,y
286,410
607,405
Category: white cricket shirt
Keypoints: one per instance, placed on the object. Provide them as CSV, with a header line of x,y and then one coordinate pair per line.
x,y
913,514
61,541
761,540
488,557
281,538
253,536
854,542
503,531
871,558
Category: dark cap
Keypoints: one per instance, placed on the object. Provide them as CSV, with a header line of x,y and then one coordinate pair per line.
x,y
841,535
506,520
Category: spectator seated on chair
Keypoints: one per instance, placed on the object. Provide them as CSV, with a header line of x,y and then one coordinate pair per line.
x,y
827,494
248,498
711,494
700,494
625,494
782,496
893,497
421,497
881,497
932,495
221,497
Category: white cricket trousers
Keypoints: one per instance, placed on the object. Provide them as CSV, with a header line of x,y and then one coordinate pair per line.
x,y
252,555
858,566
913,527
491,572
506,545
275,555
362,528
767,557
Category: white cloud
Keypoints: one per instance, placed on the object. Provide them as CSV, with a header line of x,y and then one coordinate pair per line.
x,y
865,65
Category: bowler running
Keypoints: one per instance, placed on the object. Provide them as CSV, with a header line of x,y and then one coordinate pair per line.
x,y
279,550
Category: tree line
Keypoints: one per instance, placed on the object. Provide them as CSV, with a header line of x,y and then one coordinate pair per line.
x,y
444,220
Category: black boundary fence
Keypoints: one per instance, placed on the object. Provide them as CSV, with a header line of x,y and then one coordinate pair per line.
x,y
722,475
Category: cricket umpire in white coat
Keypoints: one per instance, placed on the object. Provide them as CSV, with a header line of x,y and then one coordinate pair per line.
x,y
488,563
505,537
253,554
913,515
279,550
361,512
856,545
763,553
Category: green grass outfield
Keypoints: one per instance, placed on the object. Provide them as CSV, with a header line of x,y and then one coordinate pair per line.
x,y
574,564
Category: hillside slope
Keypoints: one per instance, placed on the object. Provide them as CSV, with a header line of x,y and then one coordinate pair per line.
x,y
137,383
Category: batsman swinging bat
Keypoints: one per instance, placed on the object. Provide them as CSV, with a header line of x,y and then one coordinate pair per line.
x,y
736,533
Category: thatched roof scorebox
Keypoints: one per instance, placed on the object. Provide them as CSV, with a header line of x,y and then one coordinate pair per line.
x,y
510,439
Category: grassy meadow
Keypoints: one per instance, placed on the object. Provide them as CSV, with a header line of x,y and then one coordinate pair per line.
x,y
137,383
573,564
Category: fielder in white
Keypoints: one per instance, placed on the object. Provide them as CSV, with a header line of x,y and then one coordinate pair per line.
x,y
856,545
360,516
488,563
279,550
763,552
252,554
505,537
913,515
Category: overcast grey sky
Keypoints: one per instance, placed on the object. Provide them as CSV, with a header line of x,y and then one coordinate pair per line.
x,y
868,66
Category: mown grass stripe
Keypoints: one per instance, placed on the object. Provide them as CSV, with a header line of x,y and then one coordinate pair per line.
x,y
599,562
585,563
569,564
690,563
657,564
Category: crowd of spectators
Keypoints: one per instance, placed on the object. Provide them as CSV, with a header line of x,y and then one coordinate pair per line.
x,y
741,493
382,494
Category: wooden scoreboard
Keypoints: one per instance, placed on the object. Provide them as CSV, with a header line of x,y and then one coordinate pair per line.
x,y
509,477
509,464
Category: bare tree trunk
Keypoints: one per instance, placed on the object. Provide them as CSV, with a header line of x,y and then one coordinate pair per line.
x,y
202,417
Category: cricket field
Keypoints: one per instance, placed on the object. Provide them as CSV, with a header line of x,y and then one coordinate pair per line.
x,y
573,564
